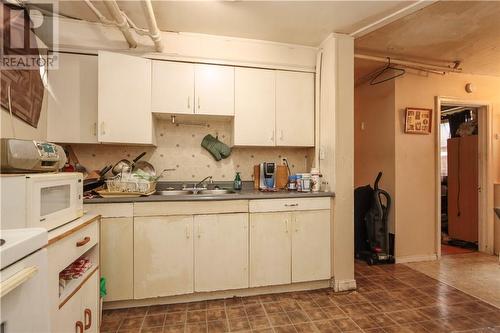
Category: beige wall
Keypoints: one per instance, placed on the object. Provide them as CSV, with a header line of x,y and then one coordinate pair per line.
x,y
415,155
374,146
23,130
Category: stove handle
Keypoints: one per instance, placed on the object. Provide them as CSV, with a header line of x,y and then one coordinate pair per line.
x,y
17,279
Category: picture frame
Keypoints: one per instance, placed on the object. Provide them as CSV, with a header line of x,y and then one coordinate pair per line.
x,y
418,121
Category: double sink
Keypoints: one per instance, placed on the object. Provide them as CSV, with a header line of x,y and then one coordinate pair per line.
x,y
195,191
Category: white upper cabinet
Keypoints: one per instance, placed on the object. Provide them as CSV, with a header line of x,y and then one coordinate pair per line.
x,y
294,109
254,112
124,101
172,87
214,90
72,100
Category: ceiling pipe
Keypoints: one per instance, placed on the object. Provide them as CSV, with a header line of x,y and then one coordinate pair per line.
x,y
412,64
121,22
154,32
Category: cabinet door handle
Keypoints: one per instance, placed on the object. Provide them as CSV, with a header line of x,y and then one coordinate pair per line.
x,y
291,205
286,226
272,136
188,234
83,241
199,231
79,327
189,102
87,314
94,129
198,102
281,135
103,131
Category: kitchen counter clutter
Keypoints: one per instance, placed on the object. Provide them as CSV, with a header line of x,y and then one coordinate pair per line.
x,y
165,250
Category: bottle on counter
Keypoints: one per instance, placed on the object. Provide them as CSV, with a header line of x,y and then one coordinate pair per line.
x,y
298,182
237,182
315,180
292,182
306,182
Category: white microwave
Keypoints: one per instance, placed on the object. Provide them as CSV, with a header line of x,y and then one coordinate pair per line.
x,y
46,200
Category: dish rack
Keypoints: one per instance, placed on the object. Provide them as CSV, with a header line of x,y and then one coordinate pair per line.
x,y
130,185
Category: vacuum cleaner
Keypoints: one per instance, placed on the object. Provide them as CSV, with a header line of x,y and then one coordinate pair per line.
x,y
372,233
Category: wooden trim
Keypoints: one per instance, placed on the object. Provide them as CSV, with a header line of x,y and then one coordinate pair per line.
x,y
78,287
72,231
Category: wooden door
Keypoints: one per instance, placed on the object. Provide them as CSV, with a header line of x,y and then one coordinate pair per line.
x,y
294,109
68,315
463,199
117,257
124,99
163,256
72,99
172,87
221,251
214,90
270,249
311,245
91,303
254,123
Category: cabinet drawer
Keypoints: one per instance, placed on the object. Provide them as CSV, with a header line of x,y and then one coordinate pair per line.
x,y
289,204
64,251
190,207
111,209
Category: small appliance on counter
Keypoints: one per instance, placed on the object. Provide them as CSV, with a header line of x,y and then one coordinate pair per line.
x,y
265,176
23,156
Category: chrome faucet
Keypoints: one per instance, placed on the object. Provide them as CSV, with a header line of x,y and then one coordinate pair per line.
x,y
209,178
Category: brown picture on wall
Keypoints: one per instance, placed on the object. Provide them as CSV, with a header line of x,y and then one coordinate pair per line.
x,y
418,121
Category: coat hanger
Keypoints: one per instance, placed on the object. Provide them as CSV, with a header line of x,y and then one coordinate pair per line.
x,y
398,73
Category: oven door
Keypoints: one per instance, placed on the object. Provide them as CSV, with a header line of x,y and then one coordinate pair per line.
x,y
24,295
54,199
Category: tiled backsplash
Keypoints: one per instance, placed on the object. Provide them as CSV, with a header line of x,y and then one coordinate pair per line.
x,y
178,147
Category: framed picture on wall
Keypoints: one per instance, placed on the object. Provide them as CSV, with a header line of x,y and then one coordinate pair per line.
x,y
418,121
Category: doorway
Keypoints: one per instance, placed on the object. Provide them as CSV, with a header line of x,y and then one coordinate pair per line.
x,y
459,147
464,211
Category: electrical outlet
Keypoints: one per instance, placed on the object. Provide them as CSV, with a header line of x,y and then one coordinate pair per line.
x,y
322,154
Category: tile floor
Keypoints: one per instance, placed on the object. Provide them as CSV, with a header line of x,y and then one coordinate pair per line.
x,y
391,298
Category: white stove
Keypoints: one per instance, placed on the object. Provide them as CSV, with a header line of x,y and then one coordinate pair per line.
x,y
23,275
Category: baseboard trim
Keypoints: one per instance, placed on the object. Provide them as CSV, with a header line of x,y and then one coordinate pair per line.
x,y
416,258
343,285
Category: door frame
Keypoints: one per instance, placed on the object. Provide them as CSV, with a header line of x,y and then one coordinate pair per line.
x,y
485,160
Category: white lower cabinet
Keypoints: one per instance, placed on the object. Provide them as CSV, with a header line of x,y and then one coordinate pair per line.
x,y
117,257
81,312
163,256
311,245
221,252
270,249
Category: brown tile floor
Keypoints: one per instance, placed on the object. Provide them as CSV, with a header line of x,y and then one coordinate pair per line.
x,y
389,299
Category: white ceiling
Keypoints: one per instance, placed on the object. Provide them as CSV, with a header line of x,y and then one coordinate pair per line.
x,y
468,31
297,22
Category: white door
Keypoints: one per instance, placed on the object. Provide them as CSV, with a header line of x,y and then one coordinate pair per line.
x,y
214,90
117,257
124,101
90,304
172,87
72,99
69,316
221,251
311,245
163,256
270,249
294,109
254,111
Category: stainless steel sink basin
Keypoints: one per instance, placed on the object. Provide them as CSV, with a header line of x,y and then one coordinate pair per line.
x,y
216,191
173,192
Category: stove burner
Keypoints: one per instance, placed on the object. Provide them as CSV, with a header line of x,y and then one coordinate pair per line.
x,y
2,241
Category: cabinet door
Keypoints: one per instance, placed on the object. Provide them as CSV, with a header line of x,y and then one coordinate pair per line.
x,y
163,256
68,315
270,249
311,246
221,252
294,109
90,304
124,101
172,87
117,257
214,90
72,100
254,100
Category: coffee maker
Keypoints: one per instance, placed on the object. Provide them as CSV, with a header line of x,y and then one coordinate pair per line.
x,y
267,175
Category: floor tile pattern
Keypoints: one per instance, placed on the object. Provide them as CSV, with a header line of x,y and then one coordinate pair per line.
x,y
391,298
